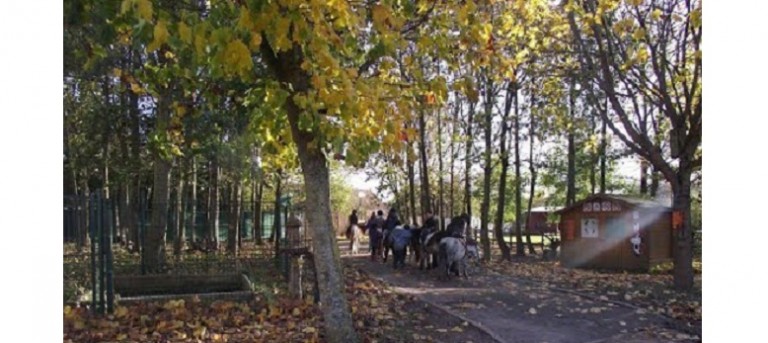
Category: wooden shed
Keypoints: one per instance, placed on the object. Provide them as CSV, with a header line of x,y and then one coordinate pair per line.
x,y
538,223
615,232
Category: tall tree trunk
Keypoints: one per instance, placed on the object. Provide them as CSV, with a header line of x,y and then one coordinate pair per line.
x,y
468,143
519,249
603,157
498,226
233,233
454,133
192,202
426,201
84,235
154,248
124,200
487,169
532,169
178,223
411,184
528,240
643,176
258,229
683,236
136,159
276,233
213,203
570,196
105,140
336,313
440,183
655,178
594,158
125,212
337,317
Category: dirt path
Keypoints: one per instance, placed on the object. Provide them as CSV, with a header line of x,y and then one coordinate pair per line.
x,y
513,310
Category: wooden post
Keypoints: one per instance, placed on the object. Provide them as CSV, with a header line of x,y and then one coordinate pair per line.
x,y
293,238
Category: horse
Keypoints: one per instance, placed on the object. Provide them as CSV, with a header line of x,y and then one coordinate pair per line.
x,y
431,238
454,253
354,233
415,245
387,244
430,247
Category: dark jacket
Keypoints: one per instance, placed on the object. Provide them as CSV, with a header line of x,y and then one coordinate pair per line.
x,y
391,221
430,224
400,238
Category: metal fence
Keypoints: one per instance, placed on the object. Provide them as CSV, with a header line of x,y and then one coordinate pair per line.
x,y
94,224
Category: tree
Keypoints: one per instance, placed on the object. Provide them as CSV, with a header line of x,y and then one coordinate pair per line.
x,y
649,51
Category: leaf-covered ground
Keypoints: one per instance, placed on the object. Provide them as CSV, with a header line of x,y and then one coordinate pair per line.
x,y
650,293
530,301
525,300
380,315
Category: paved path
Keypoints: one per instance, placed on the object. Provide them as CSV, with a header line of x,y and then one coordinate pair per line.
x,y
514,310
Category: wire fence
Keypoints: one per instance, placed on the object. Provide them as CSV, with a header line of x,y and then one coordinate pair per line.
x,y
104,238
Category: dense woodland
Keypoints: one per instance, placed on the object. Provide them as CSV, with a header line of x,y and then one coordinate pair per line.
x,y
481,107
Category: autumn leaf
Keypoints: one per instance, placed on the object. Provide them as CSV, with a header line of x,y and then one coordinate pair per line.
x,y
380,15
185,33
238,57
160,36
145,9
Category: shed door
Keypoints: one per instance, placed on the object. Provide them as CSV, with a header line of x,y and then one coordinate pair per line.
x,y
616,232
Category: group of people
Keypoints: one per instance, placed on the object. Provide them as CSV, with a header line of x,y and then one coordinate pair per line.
x,y
390,233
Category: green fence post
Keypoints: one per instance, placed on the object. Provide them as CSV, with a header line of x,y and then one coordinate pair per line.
x,y
109,262
102,251
142,221
94,243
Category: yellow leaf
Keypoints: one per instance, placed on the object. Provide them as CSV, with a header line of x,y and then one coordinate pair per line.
x,y
121,311
696,17
126,6
245,22
136,88
144,9
380,15
308,329
642,55
255,40
160,36
638,34
185,33
121,337
656,14
238,56
200,40
281,33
